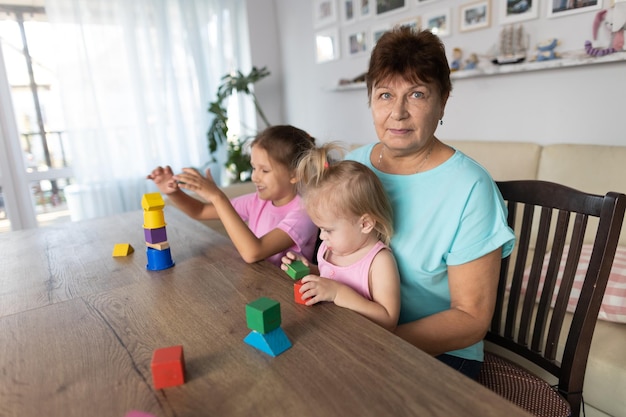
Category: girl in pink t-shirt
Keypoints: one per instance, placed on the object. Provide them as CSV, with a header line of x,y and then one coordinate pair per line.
x,y
262,225
356,269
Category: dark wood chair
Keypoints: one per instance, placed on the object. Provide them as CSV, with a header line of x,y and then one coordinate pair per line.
x,y
531,325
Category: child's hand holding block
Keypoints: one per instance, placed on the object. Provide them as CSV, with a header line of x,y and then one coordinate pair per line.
x,y
297,270
296,292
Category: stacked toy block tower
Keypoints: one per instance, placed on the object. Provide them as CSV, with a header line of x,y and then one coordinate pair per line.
x,y
263,318
157,248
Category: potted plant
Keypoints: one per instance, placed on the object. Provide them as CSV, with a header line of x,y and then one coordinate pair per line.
x,y
237,162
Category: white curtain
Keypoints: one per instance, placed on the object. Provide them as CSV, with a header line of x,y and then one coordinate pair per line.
x,y
136,79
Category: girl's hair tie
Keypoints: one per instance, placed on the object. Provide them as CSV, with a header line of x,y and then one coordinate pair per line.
x,y
326,165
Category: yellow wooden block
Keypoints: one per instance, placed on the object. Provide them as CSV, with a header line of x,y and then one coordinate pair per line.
x,y
153,219
152,201
122,249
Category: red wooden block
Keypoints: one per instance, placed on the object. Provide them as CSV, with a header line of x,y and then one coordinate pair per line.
x,y
168,367
296,292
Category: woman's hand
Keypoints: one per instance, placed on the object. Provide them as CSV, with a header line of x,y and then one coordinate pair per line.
x,y
163,178
191,179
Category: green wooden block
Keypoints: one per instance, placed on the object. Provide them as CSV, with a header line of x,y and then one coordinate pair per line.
x,y
297,270
263,315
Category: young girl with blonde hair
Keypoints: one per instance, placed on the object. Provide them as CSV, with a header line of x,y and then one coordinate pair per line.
x,y
355,266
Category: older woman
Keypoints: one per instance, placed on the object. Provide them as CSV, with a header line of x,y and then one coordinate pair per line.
x,y
450,219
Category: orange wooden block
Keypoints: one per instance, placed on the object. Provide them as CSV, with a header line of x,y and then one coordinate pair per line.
x,y
296,292
168,367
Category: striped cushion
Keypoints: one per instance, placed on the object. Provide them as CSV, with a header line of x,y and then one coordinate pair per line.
x,y
614,302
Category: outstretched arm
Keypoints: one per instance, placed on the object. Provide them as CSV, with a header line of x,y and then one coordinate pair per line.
x,y
167,184
250,247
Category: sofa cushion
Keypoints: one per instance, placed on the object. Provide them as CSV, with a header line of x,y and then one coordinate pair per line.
x,y
594,169
505,161
614,302
605,378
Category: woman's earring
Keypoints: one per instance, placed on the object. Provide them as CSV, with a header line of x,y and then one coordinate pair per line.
x,y
440,122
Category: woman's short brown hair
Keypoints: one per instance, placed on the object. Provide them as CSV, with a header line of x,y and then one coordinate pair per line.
x,y
412,55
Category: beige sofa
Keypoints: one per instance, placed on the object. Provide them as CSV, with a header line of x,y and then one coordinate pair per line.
x,y
591,168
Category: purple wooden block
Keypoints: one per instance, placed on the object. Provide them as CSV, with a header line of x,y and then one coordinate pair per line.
x,y
155,235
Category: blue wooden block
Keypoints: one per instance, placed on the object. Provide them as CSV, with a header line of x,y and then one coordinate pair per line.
x,y
159,259
273,343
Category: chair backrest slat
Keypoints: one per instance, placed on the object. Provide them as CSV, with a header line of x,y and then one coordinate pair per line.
x,y
518,273
567,282
533,278
550,277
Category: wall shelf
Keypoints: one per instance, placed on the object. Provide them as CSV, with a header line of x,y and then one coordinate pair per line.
x,y
571,60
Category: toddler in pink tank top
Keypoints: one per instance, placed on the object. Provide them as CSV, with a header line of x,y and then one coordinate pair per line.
x,y
355,266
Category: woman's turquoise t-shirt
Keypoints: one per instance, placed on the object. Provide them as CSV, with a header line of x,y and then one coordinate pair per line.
x,y
450,215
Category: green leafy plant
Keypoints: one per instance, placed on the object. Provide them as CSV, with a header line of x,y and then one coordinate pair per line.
x,y
237,161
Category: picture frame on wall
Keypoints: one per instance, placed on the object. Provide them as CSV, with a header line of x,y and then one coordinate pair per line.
x,y
365,8
558,8
324,13
356,42
388,6
348,10
438,22
513,11
377,32
474,16
327,45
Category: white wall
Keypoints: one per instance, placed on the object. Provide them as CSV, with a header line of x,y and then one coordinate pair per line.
x,y
571,105
265,52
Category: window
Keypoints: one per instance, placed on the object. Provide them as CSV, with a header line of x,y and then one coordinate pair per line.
x,y
46,161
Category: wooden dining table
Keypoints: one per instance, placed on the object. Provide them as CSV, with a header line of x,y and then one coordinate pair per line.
x,y
78,328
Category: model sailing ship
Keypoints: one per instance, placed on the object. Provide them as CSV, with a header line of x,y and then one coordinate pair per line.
x,y
512,45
